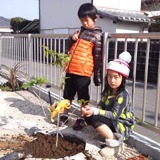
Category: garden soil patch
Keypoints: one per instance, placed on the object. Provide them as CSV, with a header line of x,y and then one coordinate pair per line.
x,y
44,146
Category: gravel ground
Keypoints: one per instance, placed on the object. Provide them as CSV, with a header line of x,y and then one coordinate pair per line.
x,y
30,110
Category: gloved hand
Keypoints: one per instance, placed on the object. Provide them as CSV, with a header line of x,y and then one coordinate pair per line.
x,y
97,80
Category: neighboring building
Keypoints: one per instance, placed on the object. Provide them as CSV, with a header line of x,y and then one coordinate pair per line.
x,y
151,7
5,25
116,16
32,27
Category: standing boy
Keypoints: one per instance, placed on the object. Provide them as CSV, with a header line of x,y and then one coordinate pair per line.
x,y
85,47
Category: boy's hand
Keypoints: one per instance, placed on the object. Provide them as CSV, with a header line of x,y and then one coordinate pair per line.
x,y
76,34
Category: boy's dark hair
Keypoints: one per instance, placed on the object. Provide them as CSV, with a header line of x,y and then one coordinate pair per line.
x,y
87,9
120,89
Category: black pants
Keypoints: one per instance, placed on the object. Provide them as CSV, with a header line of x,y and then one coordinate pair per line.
x,y
76,84
98,120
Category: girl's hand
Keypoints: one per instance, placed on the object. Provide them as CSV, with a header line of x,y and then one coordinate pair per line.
x,y
83,111
76,34
89,112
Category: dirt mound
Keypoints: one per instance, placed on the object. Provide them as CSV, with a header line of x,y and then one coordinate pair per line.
x,y
44,146
41,146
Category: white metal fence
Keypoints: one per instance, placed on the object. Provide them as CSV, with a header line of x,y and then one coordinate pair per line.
x,y
26,48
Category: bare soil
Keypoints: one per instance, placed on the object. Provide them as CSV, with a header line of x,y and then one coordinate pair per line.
x,y
44,145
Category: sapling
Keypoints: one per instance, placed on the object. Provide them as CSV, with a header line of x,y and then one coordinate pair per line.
x,y
60,60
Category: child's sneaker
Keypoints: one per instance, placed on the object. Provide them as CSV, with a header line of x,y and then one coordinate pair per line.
x,y
109,152
63,120
79,125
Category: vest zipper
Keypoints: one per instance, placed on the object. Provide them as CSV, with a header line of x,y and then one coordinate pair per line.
x,y
73,54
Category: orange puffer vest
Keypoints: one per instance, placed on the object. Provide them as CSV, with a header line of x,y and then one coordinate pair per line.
x,y
81,62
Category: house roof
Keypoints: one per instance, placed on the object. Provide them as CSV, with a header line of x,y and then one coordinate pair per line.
x,y
32,27
123,15
4,22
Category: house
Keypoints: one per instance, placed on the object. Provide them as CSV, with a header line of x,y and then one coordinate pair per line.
x,y
116,16
5,25
32,27
151,7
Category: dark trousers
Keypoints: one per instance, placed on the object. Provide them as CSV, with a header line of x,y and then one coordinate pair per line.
x,y
76,84
98,120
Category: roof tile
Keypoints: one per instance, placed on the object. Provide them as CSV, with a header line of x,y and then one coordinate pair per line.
x,y
123,15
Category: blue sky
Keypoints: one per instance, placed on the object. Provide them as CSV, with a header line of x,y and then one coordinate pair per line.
x,y
28,9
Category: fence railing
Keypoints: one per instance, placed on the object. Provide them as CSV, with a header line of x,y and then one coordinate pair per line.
x,y
26,48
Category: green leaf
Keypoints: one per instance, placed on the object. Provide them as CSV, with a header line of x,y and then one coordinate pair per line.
x,y
36,81
45,53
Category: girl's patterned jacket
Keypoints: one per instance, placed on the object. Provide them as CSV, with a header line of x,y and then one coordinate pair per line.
x,y
120,110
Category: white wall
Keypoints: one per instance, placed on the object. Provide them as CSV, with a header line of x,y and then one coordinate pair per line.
x,y
5,30
128,27
60,14
119,4
106,24
119,27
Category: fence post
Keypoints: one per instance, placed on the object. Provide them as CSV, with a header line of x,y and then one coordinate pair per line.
x,y
157,94
30,67
104,58
0,48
